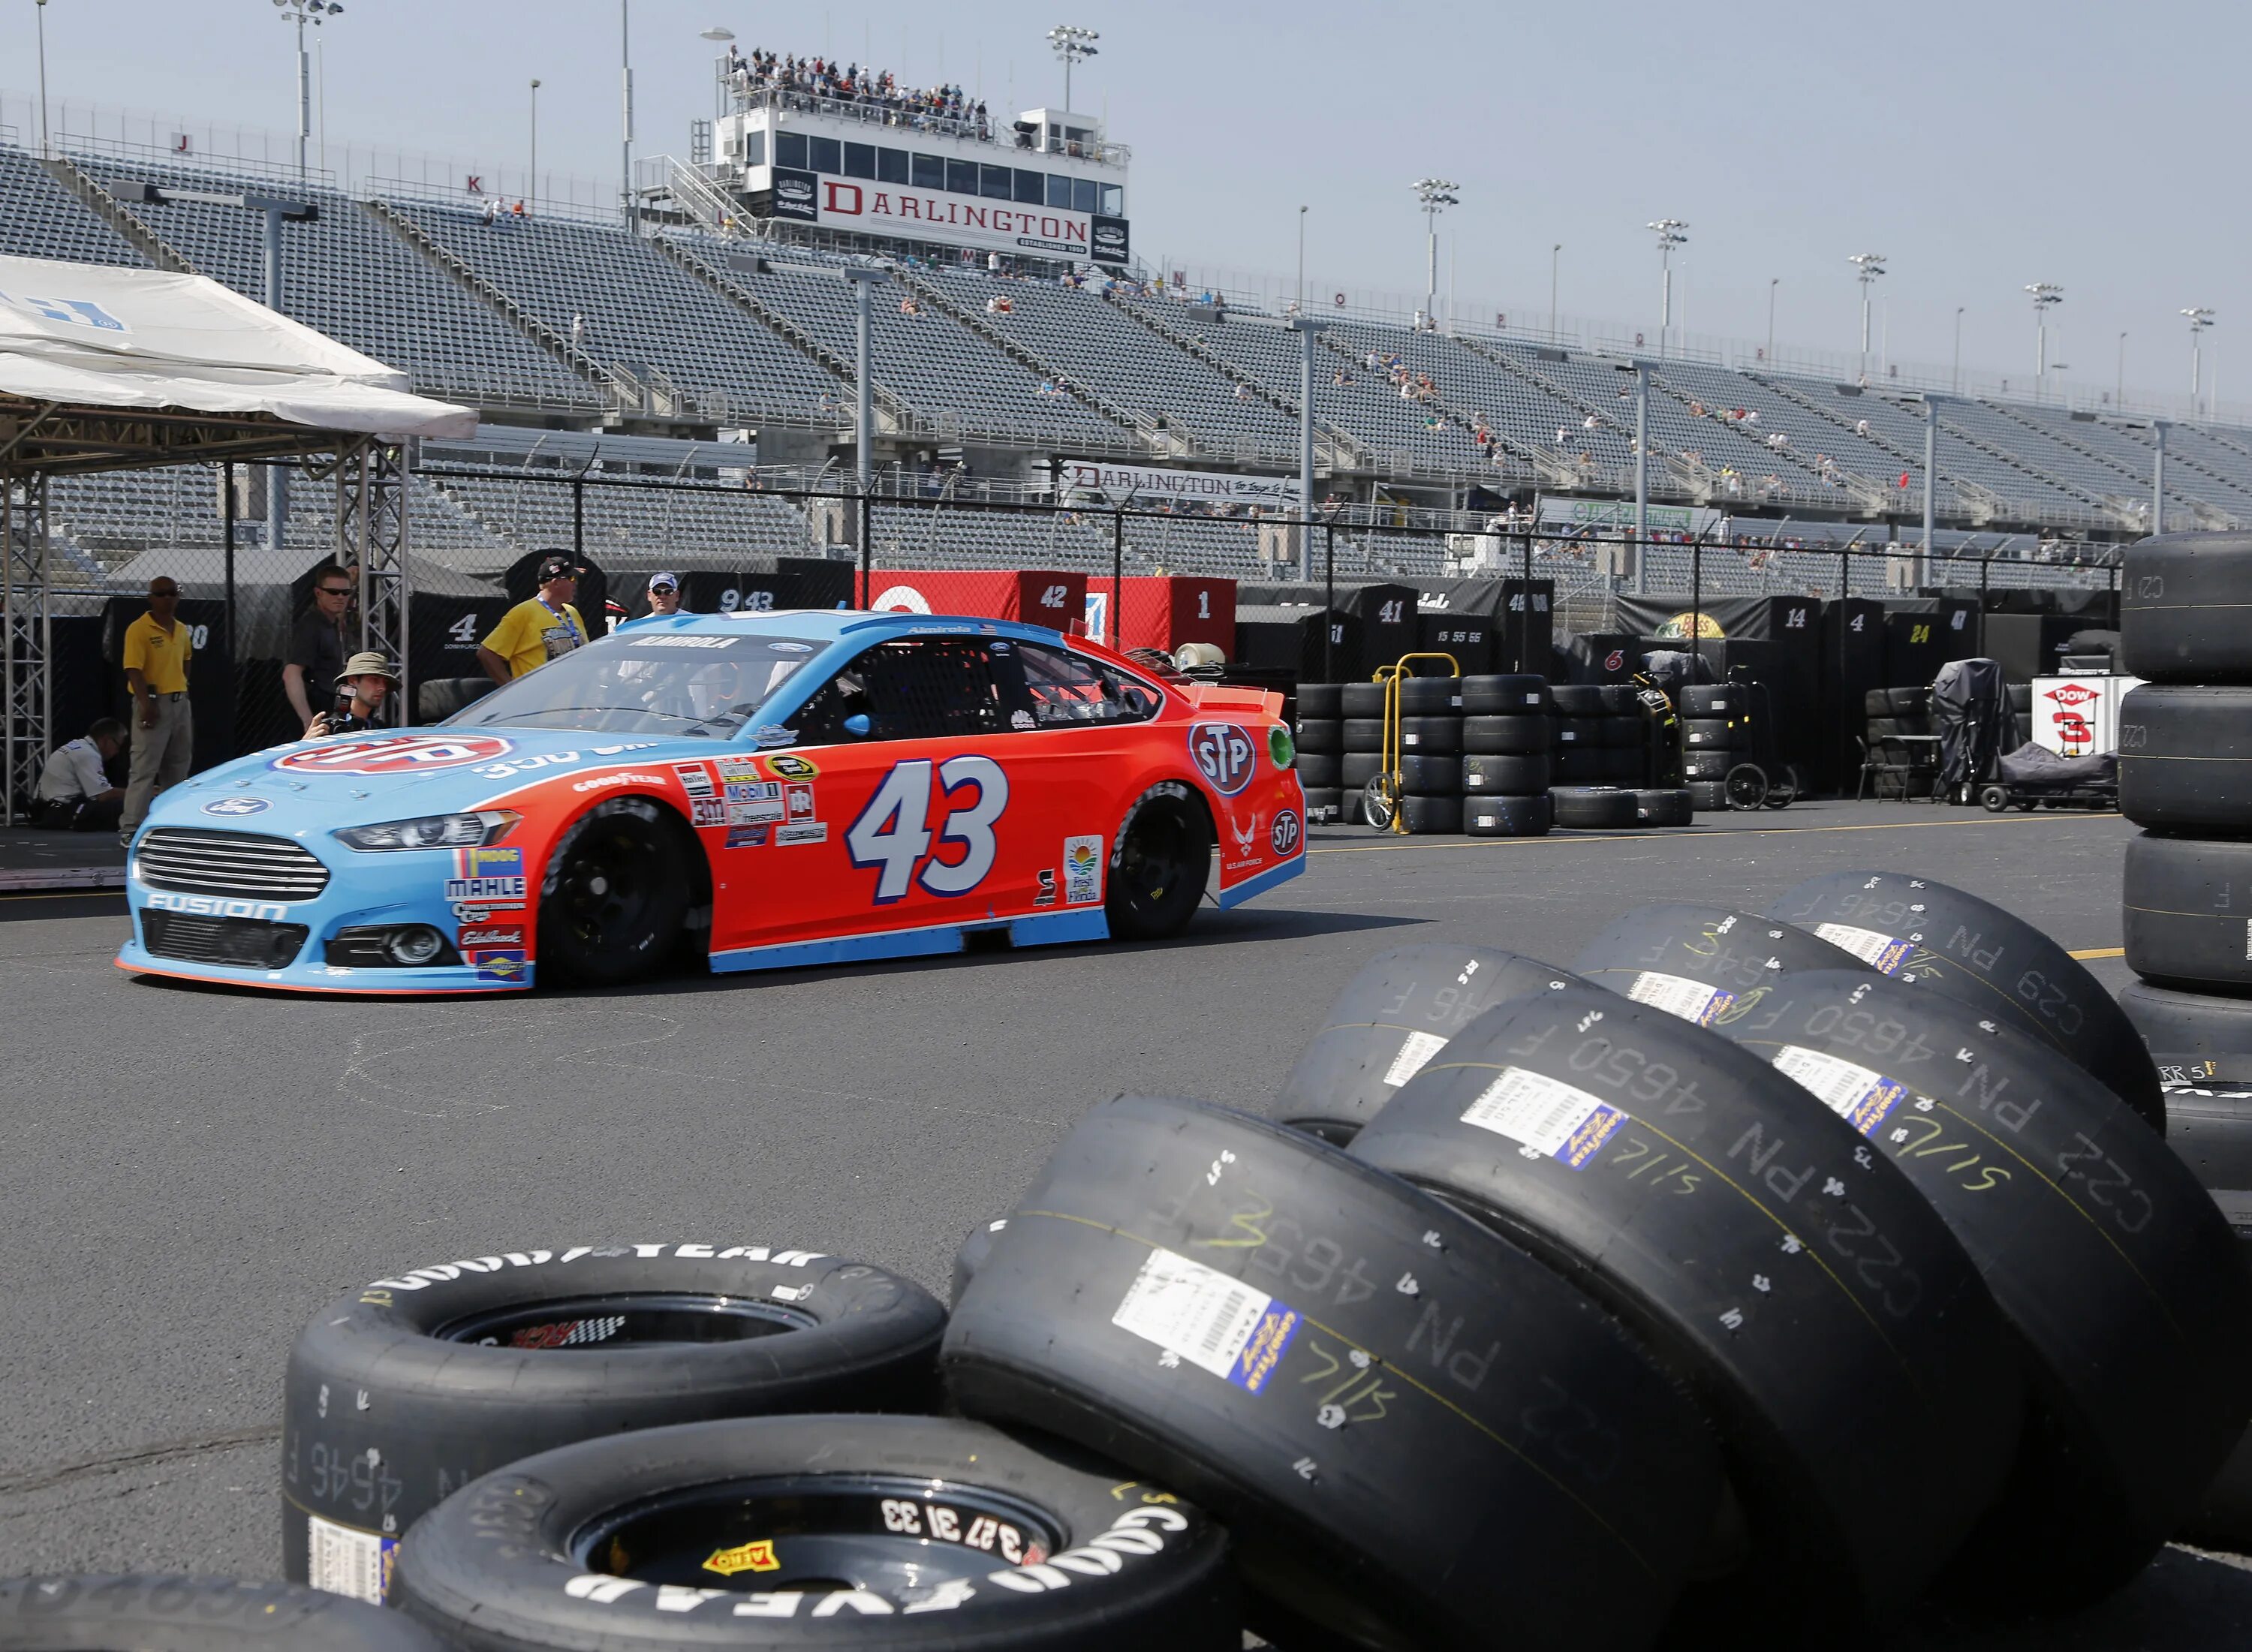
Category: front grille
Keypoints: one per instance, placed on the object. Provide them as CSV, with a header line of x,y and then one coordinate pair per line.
x,y
239,864
248,943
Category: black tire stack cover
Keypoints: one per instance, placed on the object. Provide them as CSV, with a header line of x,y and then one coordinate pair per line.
x,y
1414,1432
1836,1334
56,1611
2119,1276
1953,943
1593,808
1389,1023
551,1551
408,1388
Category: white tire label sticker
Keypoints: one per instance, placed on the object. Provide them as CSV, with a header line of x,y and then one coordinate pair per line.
x,y
1678,996
1857,1094
1419,1048
1546,1117
1882,953
343,1561
1201,1315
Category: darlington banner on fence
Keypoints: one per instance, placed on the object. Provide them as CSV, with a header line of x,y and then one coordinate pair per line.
x,y
933,215
1147,486
1617,516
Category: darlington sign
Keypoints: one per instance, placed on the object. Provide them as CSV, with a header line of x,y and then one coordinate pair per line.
x,y
1145,485
958,220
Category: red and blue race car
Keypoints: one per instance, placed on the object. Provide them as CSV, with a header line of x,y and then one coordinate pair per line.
x,y
763,789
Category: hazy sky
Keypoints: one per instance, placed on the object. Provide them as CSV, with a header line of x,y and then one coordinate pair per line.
x,y
1980,146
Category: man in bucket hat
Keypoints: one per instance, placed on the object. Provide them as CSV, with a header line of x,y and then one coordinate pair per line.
x,y
543,628
362,690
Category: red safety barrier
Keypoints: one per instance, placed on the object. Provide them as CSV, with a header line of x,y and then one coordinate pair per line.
x,y
1036,596
1164,611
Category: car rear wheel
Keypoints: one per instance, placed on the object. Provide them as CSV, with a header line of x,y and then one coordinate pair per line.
x,y
616,894
1159,868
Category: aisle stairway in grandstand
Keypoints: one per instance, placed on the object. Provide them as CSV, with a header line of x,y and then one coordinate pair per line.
x,y
43,219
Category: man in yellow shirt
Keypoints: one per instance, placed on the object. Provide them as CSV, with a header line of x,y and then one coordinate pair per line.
x,y
542,628
157,650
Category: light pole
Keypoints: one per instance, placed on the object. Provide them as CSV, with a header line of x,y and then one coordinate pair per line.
x,y
531,185
1867,267
1301,261
2046,295
625,110
1435,194
2199,319
1773,282
863,278
297,12
46,143
1671,232
2119,390
1955,375
1555,254
718,34
1304,326
1072,45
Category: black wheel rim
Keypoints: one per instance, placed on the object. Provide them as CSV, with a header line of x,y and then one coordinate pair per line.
x,y
1747,786
1155,861
608,888
907,1541
639,1319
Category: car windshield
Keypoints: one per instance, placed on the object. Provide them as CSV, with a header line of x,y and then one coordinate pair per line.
x,y
691,684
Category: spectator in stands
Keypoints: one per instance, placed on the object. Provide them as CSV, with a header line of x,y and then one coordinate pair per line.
x,y
316,645
578,331
908,307
363,689
1563,436
542,627
1242,392
158,651
1588,423
1861,426
75,793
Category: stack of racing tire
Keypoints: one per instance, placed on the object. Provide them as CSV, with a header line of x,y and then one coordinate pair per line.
x,y
2186,778
1474,752
1319,731
1508,756
1715,739
1604,762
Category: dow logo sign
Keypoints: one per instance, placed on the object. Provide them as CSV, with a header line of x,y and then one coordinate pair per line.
x,y
1224,755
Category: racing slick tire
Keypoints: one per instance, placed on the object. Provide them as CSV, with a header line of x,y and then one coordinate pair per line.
x,y
971,1256
2202,1043
2184,902
1838,1338
1620,733
1706,765
1619,700
2183,602
1513,776
1321,700
1665,806
1358,769
1389,1023
1574,733
1576,700
1431,735
2121,1280
1364,735
1722,700
1508,816
1621,768
1702,963
1970,950
1323,734
1361,700
1380,1490
437,698
1577,766
1320,768
1710,733
1431,695
1427,814
615,899
156,1613
775,1534
1504,694
408,1388
1495,735
1432,776
2185,757
1597,807
1159,865
1708,796
1326,803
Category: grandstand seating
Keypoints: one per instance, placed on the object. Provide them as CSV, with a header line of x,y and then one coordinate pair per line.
x,y
43,219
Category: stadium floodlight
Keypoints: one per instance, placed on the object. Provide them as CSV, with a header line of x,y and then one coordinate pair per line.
x,y
1867,267
1434,195
1072,45
2046,296
2199,319
298,13
1671,232
717,31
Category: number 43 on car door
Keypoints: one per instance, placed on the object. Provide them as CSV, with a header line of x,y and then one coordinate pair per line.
x,y
894,837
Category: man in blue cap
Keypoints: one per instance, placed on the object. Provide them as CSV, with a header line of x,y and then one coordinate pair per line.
x,y
663,599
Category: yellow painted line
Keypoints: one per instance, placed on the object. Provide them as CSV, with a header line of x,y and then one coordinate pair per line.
x,y
2099,952
1677,835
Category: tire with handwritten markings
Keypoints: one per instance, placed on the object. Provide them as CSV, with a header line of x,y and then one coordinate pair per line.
x,y
907,1534
971,1255
1700,963
410,1387
1390,1020
1414,1432
152,1613
2118,1274
1861,1382
1951,942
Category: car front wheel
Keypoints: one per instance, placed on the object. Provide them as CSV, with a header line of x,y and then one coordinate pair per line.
x,y
614,896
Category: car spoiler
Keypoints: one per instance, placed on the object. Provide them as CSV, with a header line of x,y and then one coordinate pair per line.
x,y
1215,697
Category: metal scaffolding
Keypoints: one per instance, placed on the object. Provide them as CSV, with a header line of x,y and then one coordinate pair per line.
x,y
371,531
26,635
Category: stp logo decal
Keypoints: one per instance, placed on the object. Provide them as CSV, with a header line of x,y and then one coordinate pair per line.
x,y
237,806
1284,837
2074,695
395,754
1224,755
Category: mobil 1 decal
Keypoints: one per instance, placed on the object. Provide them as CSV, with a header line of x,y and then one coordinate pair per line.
x,y
1224,754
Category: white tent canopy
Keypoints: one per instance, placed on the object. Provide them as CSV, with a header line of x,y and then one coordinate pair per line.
x,y
92,335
